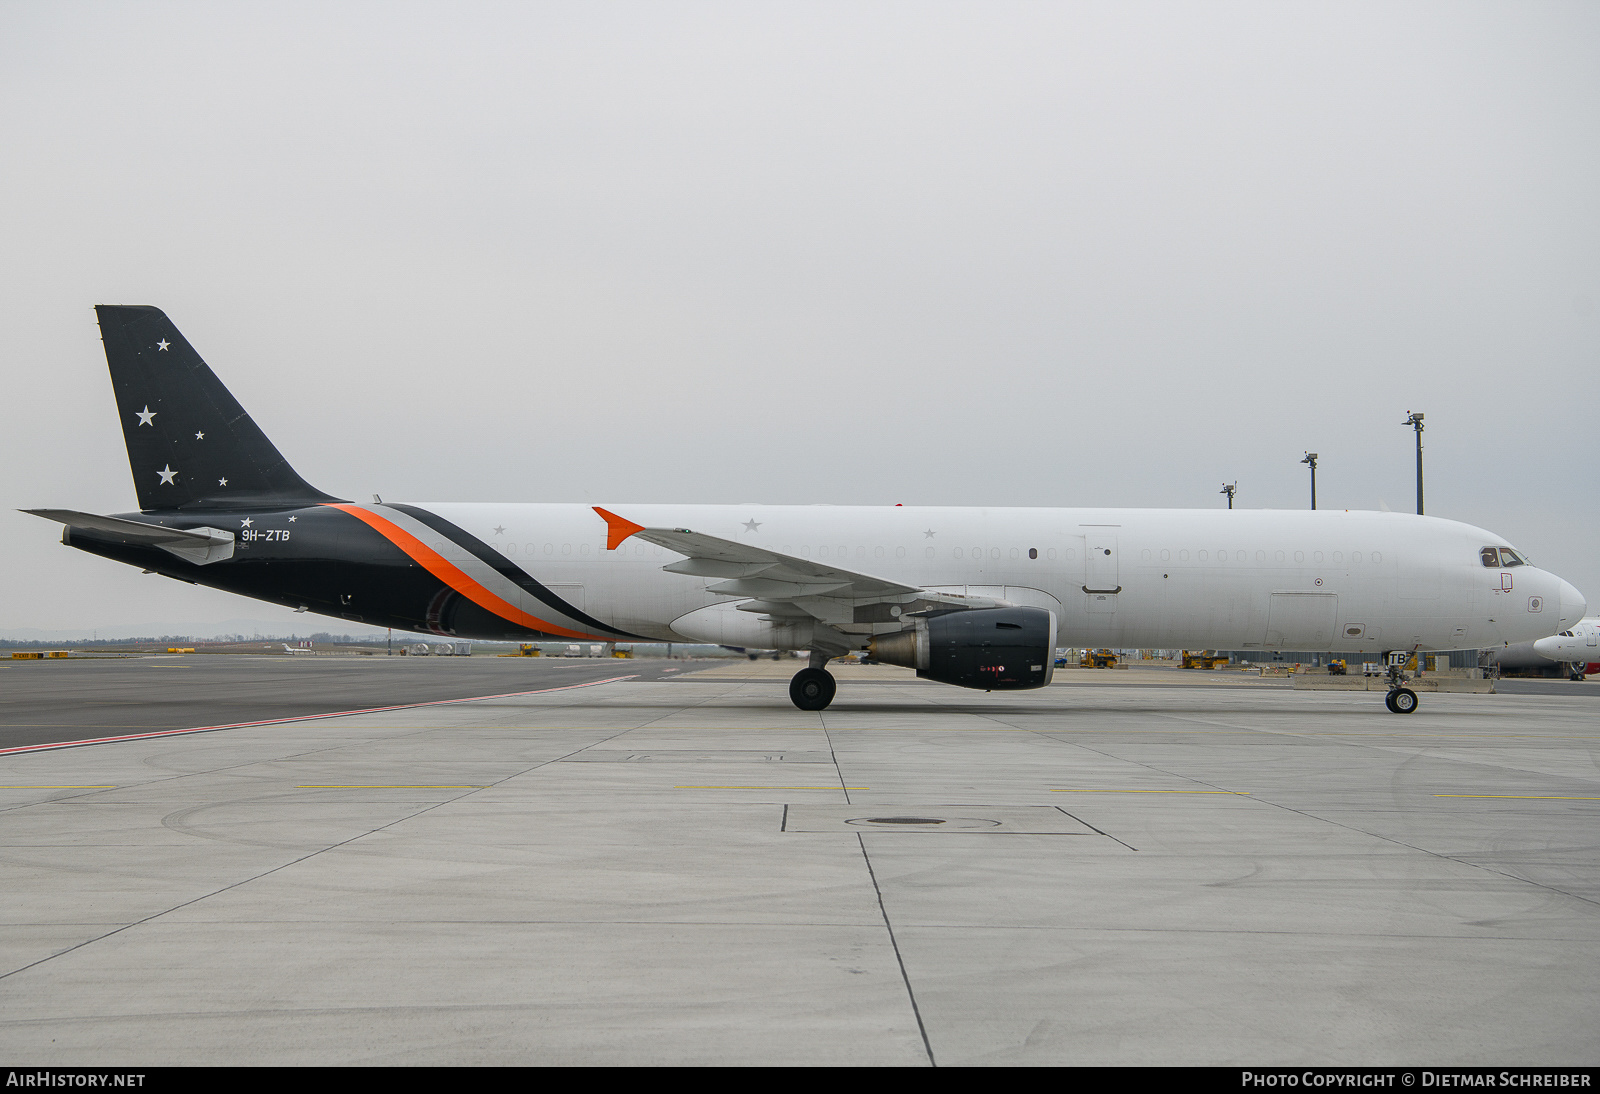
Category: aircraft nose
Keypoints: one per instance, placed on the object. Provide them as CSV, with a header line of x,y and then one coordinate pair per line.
x,y
1573,605
1548,648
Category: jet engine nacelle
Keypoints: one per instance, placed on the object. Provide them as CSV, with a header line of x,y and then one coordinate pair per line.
x,y
996,649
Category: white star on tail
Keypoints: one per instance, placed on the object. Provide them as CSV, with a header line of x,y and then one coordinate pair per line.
x,y
163,344
222,482
167,475
146,415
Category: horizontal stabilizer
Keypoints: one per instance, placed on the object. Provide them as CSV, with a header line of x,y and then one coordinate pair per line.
x,y
197,545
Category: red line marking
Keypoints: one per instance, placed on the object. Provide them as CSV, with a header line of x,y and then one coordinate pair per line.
x,y
300,718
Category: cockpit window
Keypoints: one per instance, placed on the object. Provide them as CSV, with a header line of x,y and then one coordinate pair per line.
x,y
1501,557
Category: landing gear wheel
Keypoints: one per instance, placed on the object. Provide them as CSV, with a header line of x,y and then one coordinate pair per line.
x,y
812,689
1401,700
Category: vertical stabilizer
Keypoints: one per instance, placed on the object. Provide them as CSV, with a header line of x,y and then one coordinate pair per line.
x,y
190,443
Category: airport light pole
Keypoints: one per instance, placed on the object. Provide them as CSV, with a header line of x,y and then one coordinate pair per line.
x,y
1228,490
1414,420
1311,458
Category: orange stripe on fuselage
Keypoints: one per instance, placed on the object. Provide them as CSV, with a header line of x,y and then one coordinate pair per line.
x,y
452,575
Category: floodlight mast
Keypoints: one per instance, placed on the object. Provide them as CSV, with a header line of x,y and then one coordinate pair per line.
x,y
1228,489
1311,459
1414,420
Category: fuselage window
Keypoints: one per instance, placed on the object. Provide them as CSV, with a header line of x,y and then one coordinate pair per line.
x,y
1050,554
1299,556
1183,556
994,552
1261,556
1033,552
1316,556
1238,556
877,552
927,552
1144,556
1202,556
566,548
1166,555
1338,556
1279,557
1377,556
583,549
899,552
1355,556
1015,553
1072,553
958,552
549,548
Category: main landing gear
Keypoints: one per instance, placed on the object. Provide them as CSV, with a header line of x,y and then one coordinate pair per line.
x,y
812,687
1401,699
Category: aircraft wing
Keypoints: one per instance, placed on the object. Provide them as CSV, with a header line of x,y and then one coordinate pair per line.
x,y
780,584
197,545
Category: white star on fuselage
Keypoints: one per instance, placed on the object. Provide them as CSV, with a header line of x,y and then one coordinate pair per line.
x,y
293,519
163,344
751,525
499,529
199,436
246,522
167,475
146,415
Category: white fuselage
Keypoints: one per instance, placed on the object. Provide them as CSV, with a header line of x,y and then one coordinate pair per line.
x,y
1216,579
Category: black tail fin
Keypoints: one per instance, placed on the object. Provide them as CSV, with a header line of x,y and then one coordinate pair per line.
x,y
190,443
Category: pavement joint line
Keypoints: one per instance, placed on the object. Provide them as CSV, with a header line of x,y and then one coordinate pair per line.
x,y
894,945
773,788
52,745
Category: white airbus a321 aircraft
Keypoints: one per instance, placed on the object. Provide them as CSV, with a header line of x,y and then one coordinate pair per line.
x,y
978,598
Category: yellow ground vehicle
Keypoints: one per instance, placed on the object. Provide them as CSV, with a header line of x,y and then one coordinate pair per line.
x,y
1097,659
1205,659
1337,667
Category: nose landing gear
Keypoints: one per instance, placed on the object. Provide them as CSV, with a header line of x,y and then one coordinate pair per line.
x,y
1401,699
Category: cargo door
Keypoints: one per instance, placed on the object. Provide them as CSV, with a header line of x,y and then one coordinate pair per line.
x,y
1302,621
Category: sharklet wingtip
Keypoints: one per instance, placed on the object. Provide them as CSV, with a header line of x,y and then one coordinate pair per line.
x,y
617,528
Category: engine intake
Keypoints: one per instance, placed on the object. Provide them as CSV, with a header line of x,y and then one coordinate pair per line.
x,y
995,649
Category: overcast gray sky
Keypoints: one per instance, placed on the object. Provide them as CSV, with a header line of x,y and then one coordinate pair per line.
x,y
988,253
